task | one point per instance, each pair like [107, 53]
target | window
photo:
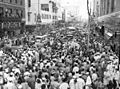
[35, 17]
[9, 12]
[1, 11]
[21, 2]
[42, 16]
[108, 4]
[17, 13]
[112, 5]
[16, 1]
[10, 1]
[45, 7]
[21, 13]
[97, 2]
[47, 16]
[1, 0]
[29, 16]
[29, 3]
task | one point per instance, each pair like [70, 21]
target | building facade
[41, 11]
[105, 7]
[108, 13]
[12, 12]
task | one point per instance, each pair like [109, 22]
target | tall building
[106, 7]
[41, 11]
[12, 13]
[108, 13]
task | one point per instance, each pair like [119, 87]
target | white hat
[26, 74]
[74, 77]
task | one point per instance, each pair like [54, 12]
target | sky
[79, 6]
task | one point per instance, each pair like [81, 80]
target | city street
[41, 50]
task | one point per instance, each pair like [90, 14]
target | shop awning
[115, 14]
[110, 21]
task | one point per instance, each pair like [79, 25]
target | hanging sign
[10, 25]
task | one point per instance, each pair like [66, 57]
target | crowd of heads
[62, 59]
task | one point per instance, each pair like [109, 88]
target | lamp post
[38, 16]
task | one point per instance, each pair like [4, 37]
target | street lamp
[38, 21]
[22, 25]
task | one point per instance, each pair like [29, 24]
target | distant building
[12, 13]
[41, 11]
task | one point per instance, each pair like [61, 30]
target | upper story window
[45, 7]
[21, 2]
[10, 1]
[16, 1]
[29, 3]
[29, 16]
[8, 12]
[21, 13]
[112, 5]
[1, 11]
[1, 0]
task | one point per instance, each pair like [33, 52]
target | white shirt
[88, 81]
[75, 69]
[64, 86]
[94, 76]
[78, 85]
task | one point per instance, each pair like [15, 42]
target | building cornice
[19, 6]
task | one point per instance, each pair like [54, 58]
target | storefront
[10, 26]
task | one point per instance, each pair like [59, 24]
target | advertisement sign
[9, 25]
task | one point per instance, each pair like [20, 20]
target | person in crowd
[58, 60]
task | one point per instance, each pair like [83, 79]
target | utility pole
[89, 16]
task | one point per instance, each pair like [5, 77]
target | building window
[17, 13]
[108, 4]
[29, 3]
[29, 16]
[1, 12]
[10, 1]
[97, 2]
[21, 2]
[16, 1]
[42, 16]
[112, 5]
[35, 17]
[47, 17]
[8, 12]
[45, 7]
[21, 13]
[1, 0]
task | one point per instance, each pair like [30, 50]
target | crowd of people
[61, 60]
